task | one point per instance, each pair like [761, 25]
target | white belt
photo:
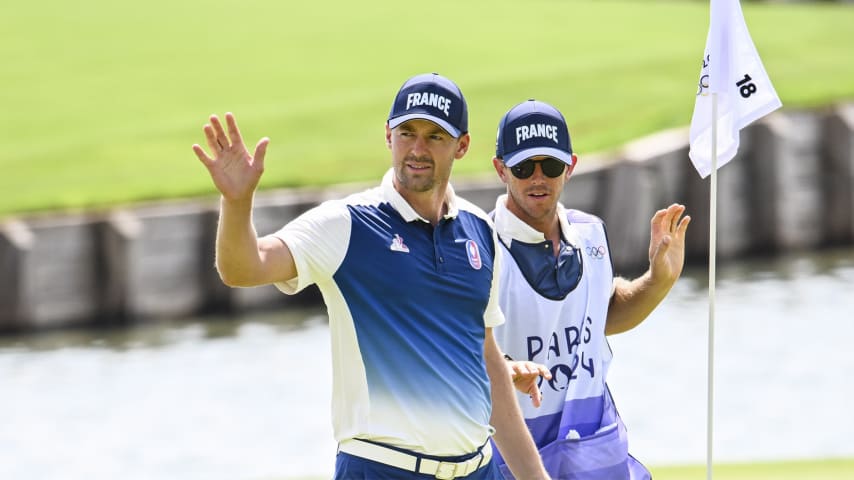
[416, 463]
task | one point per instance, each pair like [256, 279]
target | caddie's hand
[525, 375]
[234, 171]
[667, 243]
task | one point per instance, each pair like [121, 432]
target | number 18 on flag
[732, 70]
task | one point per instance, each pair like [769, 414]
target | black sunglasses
[552, 168]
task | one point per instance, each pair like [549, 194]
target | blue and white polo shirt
[408, 307]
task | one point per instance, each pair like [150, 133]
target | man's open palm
[667, 242]
[234, 171]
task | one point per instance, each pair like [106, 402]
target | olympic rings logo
[596, 252]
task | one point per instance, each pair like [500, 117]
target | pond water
[248, 397]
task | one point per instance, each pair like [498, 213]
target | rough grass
[102, 100]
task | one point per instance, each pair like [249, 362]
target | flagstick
[713, 222]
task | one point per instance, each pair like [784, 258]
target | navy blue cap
[430, 96]
[532, 128]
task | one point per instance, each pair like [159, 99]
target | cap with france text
[432, 97]
[532, 128]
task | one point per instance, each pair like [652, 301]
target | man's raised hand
[234, 171]
[667, 243]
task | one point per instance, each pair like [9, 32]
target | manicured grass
[102, 100]
[830, 469]
[836, 469]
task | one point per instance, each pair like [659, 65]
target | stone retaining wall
[791, 186]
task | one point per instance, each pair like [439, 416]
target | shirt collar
[396, 200]
[510, 227]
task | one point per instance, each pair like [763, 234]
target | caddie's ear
[570, 168]
[387, 136]
[499, 168]
[462, 145]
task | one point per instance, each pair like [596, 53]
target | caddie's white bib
[567, 335]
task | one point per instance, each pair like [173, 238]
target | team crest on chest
[397, 244]
[474, 254]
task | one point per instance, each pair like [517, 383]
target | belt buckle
[446, 471]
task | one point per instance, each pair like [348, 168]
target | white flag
[733, 70]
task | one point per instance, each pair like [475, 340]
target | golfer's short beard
[422, 184]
